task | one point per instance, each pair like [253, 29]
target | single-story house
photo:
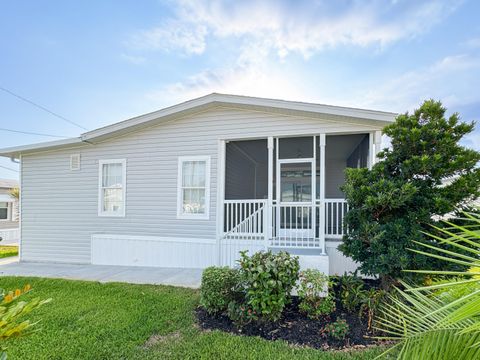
[9, 229]
[193, 184]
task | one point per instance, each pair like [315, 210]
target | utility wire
[42, 108]
[5, 167]
[32, 133]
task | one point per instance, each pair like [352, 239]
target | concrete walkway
[105, 273]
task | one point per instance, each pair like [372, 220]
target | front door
[295, 214]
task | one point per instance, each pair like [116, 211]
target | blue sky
[99, 62]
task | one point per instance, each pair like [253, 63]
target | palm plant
[440, 320]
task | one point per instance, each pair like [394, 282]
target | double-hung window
[4, 211]
[112, 176]
[193, 187]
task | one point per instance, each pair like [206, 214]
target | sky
[100, 62]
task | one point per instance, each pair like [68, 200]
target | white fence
[10, 235]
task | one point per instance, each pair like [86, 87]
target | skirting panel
[111, 249]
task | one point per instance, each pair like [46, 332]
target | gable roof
[204, 103]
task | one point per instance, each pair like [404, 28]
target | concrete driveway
[105, 273]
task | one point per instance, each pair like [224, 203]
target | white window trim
[124, 187]
[180, 214]
[9, 211]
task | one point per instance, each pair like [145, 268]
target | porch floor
[190, 278]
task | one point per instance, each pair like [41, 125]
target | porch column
[378, 145]
[321, 223]
[371, 151]
[269, 222]
[220, 197]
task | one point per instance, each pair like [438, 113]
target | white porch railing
[335, 210]
[245, 218]
[251, 225]
[292, 224]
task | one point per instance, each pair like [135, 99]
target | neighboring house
[9, 214]
[193, 184]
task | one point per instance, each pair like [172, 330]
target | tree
[423, 176]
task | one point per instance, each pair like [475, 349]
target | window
[112, 188]
[3, 211]
[193, 187]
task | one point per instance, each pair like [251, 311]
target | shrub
[315, 293]
[337, 330]
[240, 313]
[371, 302]
[269, 279]
[352, 292]
[11, 309]
[219, 287]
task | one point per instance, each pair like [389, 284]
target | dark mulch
[296, 328]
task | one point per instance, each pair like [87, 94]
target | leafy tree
[424, 175]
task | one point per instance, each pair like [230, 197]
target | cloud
[262, 33]
[302, 27]
[137, 60]
[450, 79]
[172, 35]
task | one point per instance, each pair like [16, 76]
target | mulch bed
[296, 328]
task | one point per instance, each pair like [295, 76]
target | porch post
[220, 197]
[269, 221]
[321, 223]
[378, 145]
[371, 151]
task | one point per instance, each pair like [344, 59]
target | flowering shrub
[11, 309]
[315, 293]
[337, 330]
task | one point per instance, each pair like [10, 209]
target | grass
[7, 251]
[89, 320]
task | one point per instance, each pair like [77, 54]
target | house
[9, 230]
[193, 184]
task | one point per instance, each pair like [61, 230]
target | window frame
[101, 212]
[180, 213]
[9, 211]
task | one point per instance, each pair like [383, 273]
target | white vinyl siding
[111, 187]
[60, 206]
[193, 189]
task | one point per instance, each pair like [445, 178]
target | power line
[11, 169]
[32, 133]
[42, 108]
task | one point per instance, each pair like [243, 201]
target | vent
[75, 162]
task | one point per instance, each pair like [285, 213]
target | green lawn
[89, 320]
[7, 251]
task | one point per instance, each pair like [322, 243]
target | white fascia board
[15, 151]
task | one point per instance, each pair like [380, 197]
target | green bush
[352, 292]
[240, 313]
[315, 293]
[219, 287]
[269, 279]
[337, 330]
